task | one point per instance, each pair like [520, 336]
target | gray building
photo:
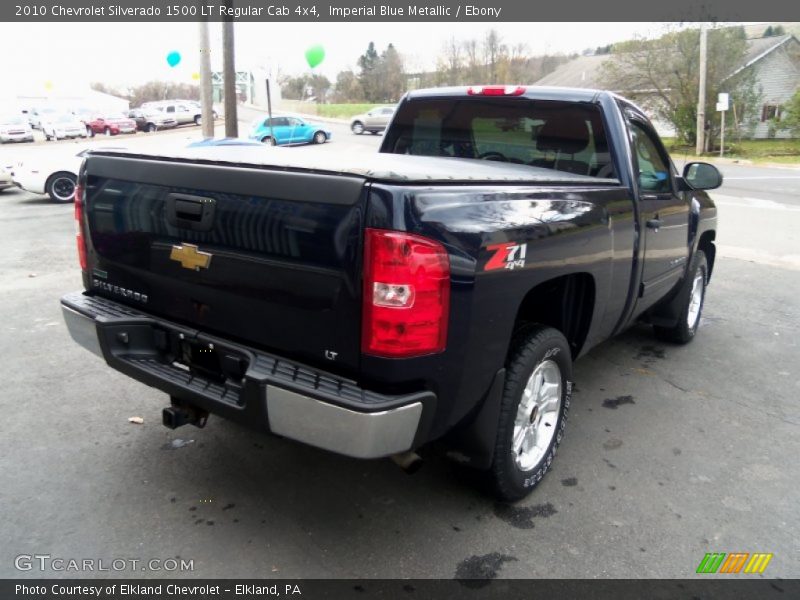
[776, 61]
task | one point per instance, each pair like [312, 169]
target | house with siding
[776, 61]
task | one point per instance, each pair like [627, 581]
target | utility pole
[206, 113]
[229, 77]
[701, 97]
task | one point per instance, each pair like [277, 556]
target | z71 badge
[506, 256]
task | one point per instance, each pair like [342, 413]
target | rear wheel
[533, 411]
[151, 127]
[357, 128]
[198, 120]
[269, 141]
[320, 137]
[61, 187]
[689, 303]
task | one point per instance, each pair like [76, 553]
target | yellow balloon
[196, 76]
[48, 85]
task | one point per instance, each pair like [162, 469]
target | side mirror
[702, 176]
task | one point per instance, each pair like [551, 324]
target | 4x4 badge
[506, 256]
[190, 257]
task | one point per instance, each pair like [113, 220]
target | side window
[170, 109]
[653, 169]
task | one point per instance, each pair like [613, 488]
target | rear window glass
[564, 136]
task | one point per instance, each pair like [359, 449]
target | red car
[111, 125]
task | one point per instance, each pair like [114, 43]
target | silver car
[374, 121]
[15, 128]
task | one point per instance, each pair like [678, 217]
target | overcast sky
[64, 54]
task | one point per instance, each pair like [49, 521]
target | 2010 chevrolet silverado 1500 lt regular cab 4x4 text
[438, 290]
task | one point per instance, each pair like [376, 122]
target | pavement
[670, 452]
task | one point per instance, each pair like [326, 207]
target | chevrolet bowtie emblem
[190, 257]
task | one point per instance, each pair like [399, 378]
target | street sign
[723, 101]
[721, 107]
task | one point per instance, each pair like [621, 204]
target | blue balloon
[173, 58]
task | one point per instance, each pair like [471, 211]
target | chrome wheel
[537, 415]
[358, 128]
[63, 188]
[695, 300]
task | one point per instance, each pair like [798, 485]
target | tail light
[406, 295]
[496, 90]
[79, 227]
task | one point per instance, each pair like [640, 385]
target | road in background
[670, 451]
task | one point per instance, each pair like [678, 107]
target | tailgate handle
[190, 212]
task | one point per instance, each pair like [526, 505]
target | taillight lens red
[79, 226]
[496, 90]
[406, 295]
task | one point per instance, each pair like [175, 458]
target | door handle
[654, 223]
[190, 212]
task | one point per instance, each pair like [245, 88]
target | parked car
[182, 111]
[150, 119]
[288, 130]
[370, 304]
[37, 115]
[111, 125]
[374, 121]
[54, 174]
[59, 127]
[15, 128]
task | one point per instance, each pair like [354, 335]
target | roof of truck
[531, 92]
[376, 167]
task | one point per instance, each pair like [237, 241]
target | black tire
[357, 127]
[686, 328]
[198, 120]
[90, 132]
[151, 127]
[320, 137]
[532, 347]
[58, 187]
[107, 131]
[270, 141]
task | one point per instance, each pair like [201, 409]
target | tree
[391, 76]
[450, 63]
[790, 119]
[382, 77]
[347, 88]
[368, 76]
[667, 69]
[294, 88]
[772, 31]
[494, 53]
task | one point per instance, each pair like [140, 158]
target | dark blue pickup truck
[370, 304]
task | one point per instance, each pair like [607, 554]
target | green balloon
[315, 55]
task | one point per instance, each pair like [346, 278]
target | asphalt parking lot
[670, 452]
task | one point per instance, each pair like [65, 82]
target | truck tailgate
[268, 257]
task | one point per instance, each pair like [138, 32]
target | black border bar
[285, 11]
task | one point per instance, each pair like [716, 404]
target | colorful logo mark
[734, 562]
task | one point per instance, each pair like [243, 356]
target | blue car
[288, 130]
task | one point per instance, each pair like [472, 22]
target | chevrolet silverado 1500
[368, 305]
